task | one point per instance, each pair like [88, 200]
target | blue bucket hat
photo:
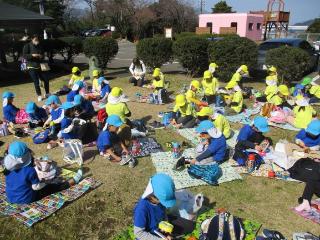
[31, 107]
[7, 94]
[77, 99]
[204, 126]
[114, 120]
[18, 149]
[53, 99]
[101, 79]
[67, 105]
[261, 124]
[314, 127]
[164, 189]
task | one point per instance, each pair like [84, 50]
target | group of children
[193, 108]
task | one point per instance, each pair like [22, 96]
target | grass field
[104, 212]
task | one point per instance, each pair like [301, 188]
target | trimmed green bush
[103, 48]
[291, 62]
[192, 53]
[230, 53]
[73, 47]
[53, 47]
[154, 51]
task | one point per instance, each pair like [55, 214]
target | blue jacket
[216, 149]
[10, 112]
[39, 115]
[308, 141]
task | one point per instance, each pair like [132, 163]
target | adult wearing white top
[138, 71]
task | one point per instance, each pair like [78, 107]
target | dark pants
[187, 121]
[210, 99]
[36, 75]
[312, 187]
[314, 100]
[261, 99]
[50, 189]
[136, 82]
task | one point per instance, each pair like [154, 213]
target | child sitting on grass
[309, 138]
[105, 89]
[37, 116]
[213, 144]
[95, 82]
[108, 142]
[22, 183]
[84, 107]
[76, 88]
[56, 114]
[158, 85]
[184, 113]
[76, 76]
[250, 137]
[151, 208]
[9, 110]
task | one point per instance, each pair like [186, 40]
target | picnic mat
[164, 162]
[244, 117]
[30, 214]
[191, 135]
[262, 171]
[147, 146]
[285, 126]
[313, 214]
[251, 228]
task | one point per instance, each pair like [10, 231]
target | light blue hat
[101, 79]
[67, 105]
[261, 124]
[77, 99]
[53, 99]
[314, 127]
[18, 149]
[164, 189]
[204, 126]
[31, 107]
[7, 94]
[114, 120]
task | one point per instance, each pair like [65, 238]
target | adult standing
[33, 53]
[138, 71]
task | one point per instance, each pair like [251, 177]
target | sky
[300, 10]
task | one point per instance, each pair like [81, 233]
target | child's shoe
[124, 160]
[132, 163]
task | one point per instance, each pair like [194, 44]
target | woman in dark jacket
[33, 53]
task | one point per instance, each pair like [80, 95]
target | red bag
[102, 115]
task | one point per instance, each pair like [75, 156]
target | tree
[92, 4]
[315, 26]
[222, 7]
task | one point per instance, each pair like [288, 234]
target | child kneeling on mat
[309, 138]
[108, 141]
[151, 208]
[22, 183]
[250, 137]
[213, 144]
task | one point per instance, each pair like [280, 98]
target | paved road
[119, 66]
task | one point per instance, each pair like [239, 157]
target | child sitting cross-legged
[108, 143]
[22, 182]
[37, 116]
[151, 208]
[213, 144]
[9, 110]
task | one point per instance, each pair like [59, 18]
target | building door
[209, 25]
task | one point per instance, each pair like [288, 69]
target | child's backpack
[222, 226]
[208, 173]
[41, 137]
[22, 117]
[266, 110]
[241, 156]
[102, 115]
[163, 96]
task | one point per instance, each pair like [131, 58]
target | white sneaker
[124, 160]
[39, 98]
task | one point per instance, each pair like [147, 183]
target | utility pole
[202, 5]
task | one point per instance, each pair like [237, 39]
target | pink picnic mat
[313, 214]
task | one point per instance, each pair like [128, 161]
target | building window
[258, 26]
[250, 26]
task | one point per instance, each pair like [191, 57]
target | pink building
[245, 24]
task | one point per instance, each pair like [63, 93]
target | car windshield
[271, 45]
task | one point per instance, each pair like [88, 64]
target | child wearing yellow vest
[303, 113]
[158, 84]
[236, 101]
[213, 67]
[210, 86]
[220, 121]
[272, 78]
[117, 104]
[184, 113]
[191, 94]
[95, 82]
[314, 93]
[76, 76]
[237, 77]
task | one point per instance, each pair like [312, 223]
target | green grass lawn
[104, 212]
